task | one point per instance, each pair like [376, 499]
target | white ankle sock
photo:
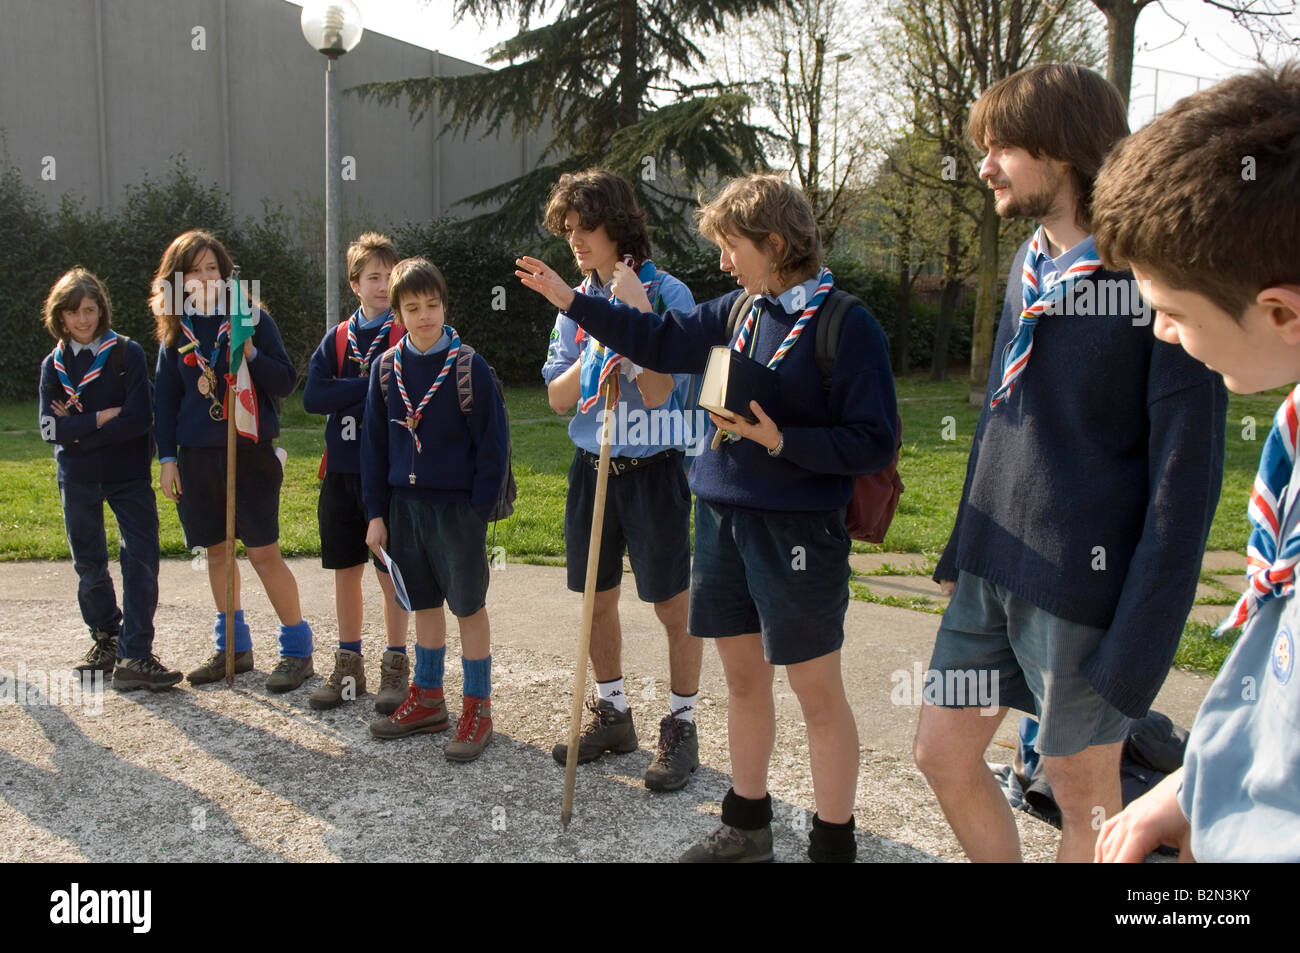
[682, 706]
[612, 692]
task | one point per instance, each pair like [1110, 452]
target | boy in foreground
[1204, 206]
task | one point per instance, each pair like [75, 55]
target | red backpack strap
[340, 347]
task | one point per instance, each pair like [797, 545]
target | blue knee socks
[243, 635]
[478, 677]
[429, 666]
[296, 640]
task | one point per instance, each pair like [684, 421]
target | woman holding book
[770, 576]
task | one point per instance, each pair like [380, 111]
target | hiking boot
[731, 845]
[423, 710]
[133, 673]
[346, 682]
[289, 673]
[102, 655]
[473, 730]
[214, 669]
[609, 730]
[394, 680]
[677, 757]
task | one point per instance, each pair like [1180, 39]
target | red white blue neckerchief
[601, 361]
[73, 394]
[414, 414]
[1270, 564]
[222, 332]
[1015, 357]
[825, 283]
[377, 346]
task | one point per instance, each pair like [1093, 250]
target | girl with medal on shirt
[189, 390]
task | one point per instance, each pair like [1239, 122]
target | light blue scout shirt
[1051, 269]
[639, 432]
[1241, 772]
[78, 348]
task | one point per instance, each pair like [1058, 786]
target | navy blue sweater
[463, 458]
[342, 396]
[182, 412]
[119, 450]
[829, 439]
[1110, 439]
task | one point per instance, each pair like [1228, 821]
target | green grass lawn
[938, 426]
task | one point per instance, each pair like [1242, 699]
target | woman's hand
[765, 432]
[377, 535]
[248, 349]
[170, 480]
[628, 289]
[540, 277]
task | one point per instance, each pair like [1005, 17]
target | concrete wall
[114, 89]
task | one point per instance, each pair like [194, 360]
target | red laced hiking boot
[473, 730]
[423, 710]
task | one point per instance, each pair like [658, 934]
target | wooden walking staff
[231, 441]
[589, 599]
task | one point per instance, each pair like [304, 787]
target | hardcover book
[732, 380]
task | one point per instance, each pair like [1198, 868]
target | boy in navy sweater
[1227, 289]
[337, 381]
[1092, 482]
[96, 410]
[431, 475]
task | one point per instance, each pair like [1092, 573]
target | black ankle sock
[832, 843]
[746, 814]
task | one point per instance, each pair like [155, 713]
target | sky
[1180, 43]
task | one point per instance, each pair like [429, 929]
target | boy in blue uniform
[648, 507]
[337, 381]
[96, 410]
[1204, 205]
[432, 471]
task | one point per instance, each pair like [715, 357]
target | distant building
[95, 94]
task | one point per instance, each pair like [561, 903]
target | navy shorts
[202, 506]
[341, 515]
[1020, 656]
[648, 512]
[782, 574]
[441, 551]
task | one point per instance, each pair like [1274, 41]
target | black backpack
[505, 504]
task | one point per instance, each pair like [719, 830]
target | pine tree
[602, 75]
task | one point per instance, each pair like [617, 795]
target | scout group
[1101, 432]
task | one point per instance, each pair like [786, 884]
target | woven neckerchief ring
[415, 413]
[73, 394]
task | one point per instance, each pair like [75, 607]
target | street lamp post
[332, 29]
[835, 133]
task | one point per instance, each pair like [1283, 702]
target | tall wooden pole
[589, 600]
[231, 439]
